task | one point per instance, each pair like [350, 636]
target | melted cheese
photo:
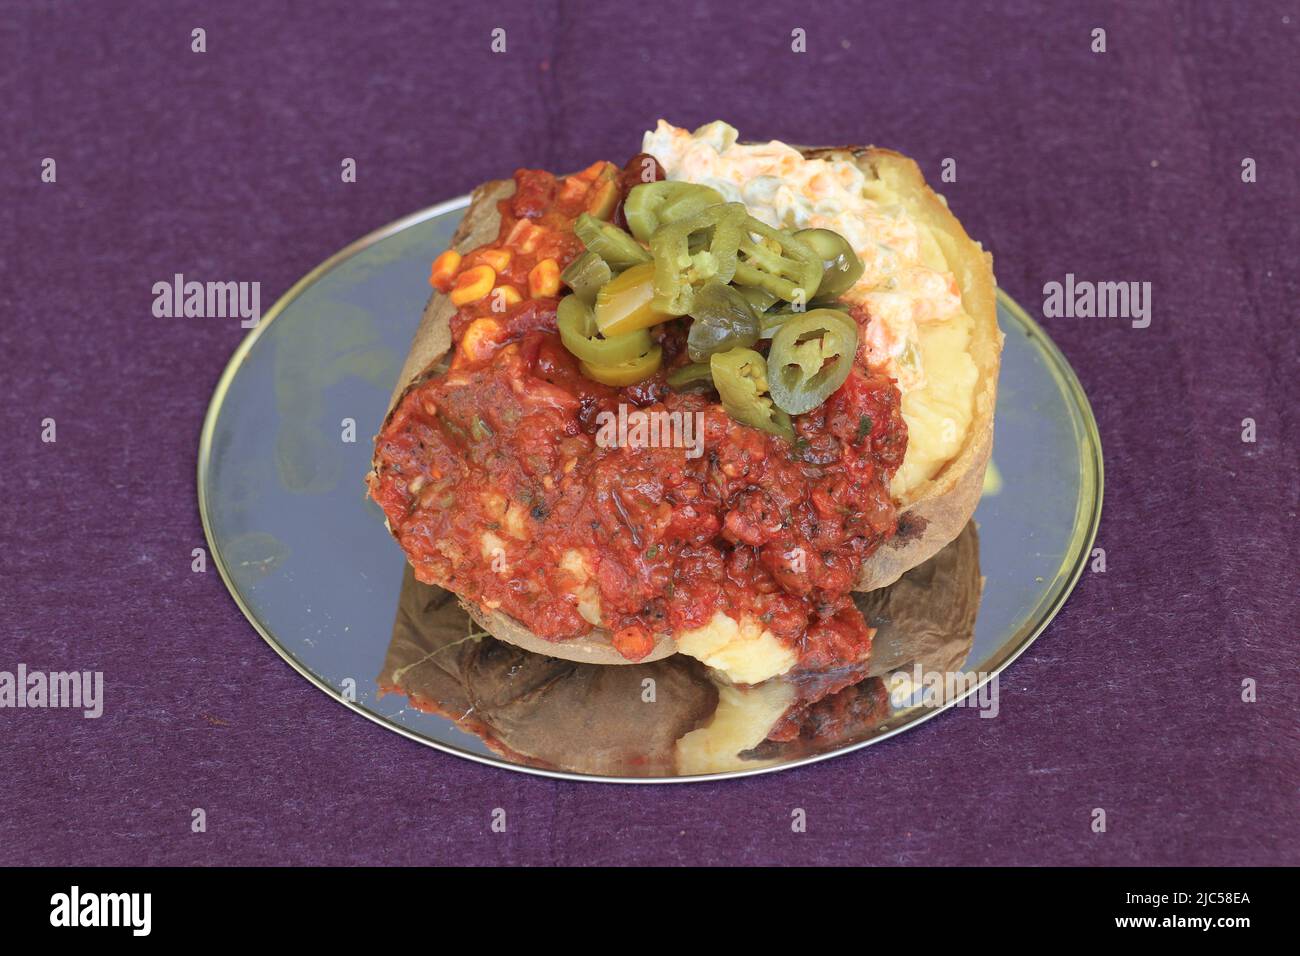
[919, 331]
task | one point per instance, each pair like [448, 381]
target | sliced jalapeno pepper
[690, 376]
[810, 358]
[777, 262]
[760, 300]
[628, 302]
[741, 379]
[609, 242]
[603, 196]
[625, 373]
[769, 323]
[585, 275]
[841, 266]
[722, 321]
[683, 262]
[577, 326]
[651, 205]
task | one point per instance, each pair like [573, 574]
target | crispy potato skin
[935, 513]
[433, 337]
[593, 648]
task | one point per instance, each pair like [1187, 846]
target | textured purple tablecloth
[1125, 165]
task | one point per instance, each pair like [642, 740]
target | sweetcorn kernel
[444, 270]
[479, 339]
[472, 284]
[498, 259]
[504, 296]
[544, 279]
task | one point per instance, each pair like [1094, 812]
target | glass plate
[308, 560]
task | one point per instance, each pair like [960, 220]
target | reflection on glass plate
[676, 716]
[308, 560]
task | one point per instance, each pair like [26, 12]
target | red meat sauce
[505, 443]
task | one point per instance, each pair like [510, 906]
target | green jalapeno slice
[651, 205]
[694, 375]
[778, 262]
[577, 326]
[585, 275]
[740, 376]
[760, 300]
[841, 267]
[769, 323]
[628, 302]
[603, 196]
[625, 373]
[609, 242]
[810, 358]
[690, 252]
[722, 321]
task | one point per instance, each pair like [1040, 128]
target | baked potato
[949, 414]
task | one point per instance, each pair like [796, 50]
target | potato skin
[934, 515]
[593, 648]
[433, 336]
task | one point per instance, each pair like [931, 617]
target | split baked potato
[948, 410]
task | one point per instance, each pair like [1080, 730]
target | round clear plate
[308, 560]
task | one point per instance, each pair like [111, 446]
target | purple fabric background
[226, 165]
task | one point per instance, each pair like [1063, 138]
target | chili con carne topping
[493, 481]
